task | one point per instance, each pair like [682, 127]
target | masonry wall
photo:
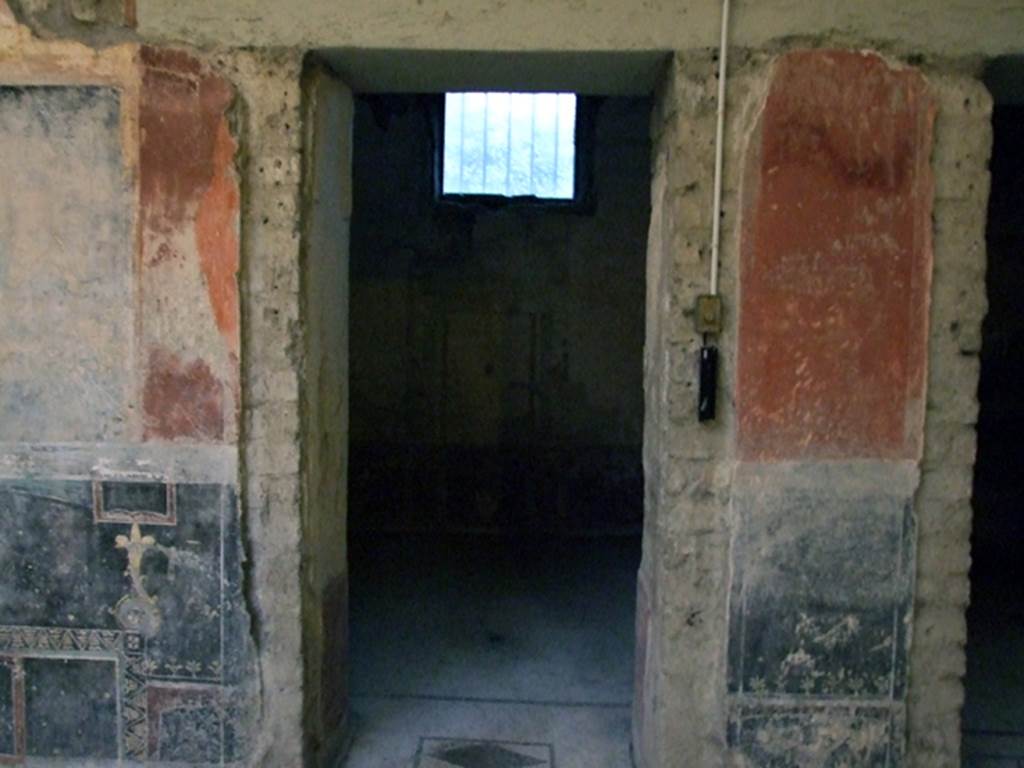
[679, 710]
[835, 271]
[496, 355]
[683, 602]
[963, 135]
[697, 539]
[683, 594]
[269, 124]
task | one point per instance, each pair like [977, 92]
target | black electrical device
[708, 383]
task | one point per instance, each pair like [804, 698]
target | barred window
[510, 145]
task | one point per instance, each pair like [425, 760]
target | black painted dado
[185, 573]
[65, 568]
[798, 736]
[60, 569]
[819, 593]
[71, 707]
[822, 566]
[191, 734]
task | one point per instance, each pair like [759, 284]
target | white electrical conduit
[716, 222]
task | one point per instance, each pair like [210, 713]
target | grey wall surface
[933, 26]
[327, 180]
[70, 314]
[496, 353]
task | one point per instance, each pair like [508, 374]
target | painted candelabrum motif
[137, 612]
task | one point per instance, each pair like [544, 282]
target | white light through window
[510, 144]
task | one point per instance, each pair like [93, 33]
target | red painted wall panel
[190, 201]
[836, 262]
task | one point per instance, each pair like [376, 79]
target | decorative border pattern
[134, 709]
[36, 641]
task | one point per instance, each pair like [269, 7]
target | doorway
[495, 475]
[994, 708]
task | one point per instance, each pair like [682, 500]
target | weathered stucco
[963, 136]
[189, 209]
[60, 138]
[327, 180]
[679, 705]
[665, 728]
[268, 121]
[582, 25]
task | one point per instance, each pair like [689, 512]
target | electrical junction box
[708, 314]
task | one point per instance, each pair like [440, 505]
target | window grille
[510, 145]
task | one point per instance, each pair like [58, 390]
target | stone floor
[492, 653]
[993, 734]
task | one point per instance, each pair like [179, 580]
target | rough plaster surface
[594, 25]
[963, 136]
[934, 689]
[178, 352]
[101, 22]
[327, 181]
[189, 206]
[7, 20]
[269, 123]
[59, 145]
[680, 706]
